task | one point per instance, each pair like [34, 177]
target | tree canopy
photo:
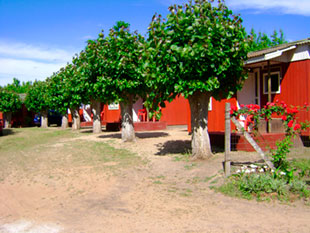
[18, 87]
[262, 40]
[198, 52]
[38, 97]
[198, 48]
[9, 101]
[121, 64]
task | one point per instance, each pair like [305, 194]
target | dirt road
[160, 192]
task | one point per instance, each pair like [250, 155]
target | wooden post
[252, 142]
[227, 140]
[269, 95]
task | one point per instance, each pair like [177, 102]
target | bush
[264, 186]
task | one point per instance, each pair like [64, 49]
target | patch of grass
[302, 166]
[197, 179]
[186, 193]
[263, 187]
[31, 150]
[158, 179]
[102, 155]
[182, 157]
[190, 166]
[28, 138]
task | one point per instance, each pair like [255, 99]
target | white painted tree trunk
[76, 121]
[128, 132]
[7, 120]
[96, 110]
[64, 121]
[201, 148]
[44, 120]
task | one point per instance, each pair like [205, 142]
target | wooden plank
[252, 142]
[227, 140]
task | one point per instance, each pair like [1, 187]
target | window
[275, 82]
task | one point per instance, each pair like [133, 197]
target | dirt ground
[163, 192]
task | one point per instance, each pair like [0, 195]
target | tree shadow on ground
[86, 131]
[180, 147]
[151, 134]
[138, 135]
[115, 135]
[6, 132]
[174, 147]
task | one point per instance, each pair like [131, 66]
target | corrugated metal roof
[277, 48]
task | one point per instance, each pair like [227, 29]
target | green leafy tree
[89, 68]
[18, 87]
[198, 52]
[75, 86]
[262, 40]
[9, 103]
[38, 101]
[120, 64]
[59, 97]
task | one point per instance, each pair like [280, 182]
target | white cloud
[26, 70]
[28, 62]
[298, 7]
[26, 51]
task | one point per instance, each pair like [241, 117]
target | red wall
[175, 113]
[216, 117]
[295, 87]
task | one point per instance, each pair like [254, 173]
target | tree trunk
[96, 110]
[64, 121]
[128, 132]
[201, 148]
[44, 120]
[76, 121]
[7, 120]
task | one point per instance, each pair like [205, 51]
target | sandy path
[163, 195]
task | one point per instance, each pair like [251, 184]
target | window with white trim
[275, 82]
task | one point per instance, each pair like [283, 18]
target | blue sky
[37, 37]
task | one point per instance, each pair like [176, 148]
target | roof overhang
[268, 56]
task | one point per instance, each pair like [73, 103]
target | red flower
[294, 110]
[233, 109]
[290, 124]
[297, 126]
[242, 105]
[284, 118]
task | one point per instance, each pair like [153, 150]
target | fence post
[227, 140]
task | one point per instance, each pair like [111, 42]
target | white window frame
[210, 104]
[279, 82]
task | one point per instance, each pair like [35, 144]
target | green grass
[34, 150]
[302, 166]
[28, 138]
[264, 187]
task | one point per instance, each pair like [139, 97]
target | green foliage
[38, 97]
[17, 87]
[302, 167]
[88, 68]
[9, 101]
[262, 41]
[120, 64]
[288, 116]
[74, 85]
[264, 186]
[59, 96]
[199, 48]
